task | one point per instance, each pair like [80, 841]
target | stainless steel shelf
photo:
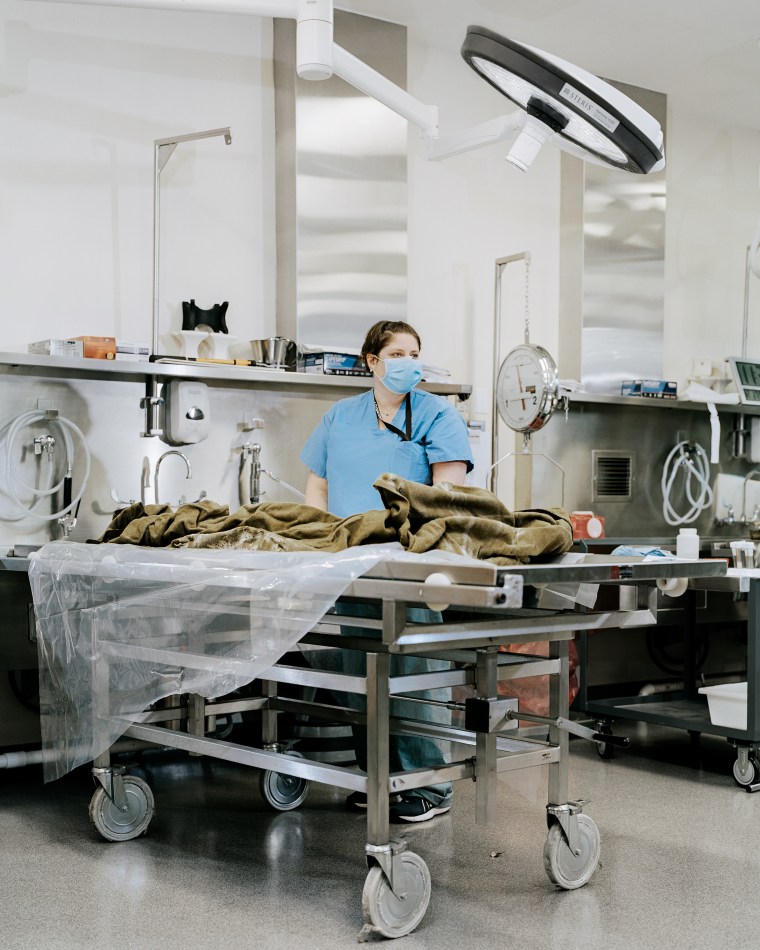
[643, 402]
[27, 364]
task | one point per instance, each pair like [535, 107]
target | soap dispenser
[187, 412]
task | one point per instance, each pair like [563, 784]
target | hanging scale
[527, 385]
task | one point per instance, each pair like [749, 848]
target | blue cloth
[626, 550]
[351, 451]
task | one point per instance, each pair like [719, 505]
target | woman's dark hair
[379, 335]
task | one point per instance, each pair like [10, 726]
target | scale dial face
[527, 388]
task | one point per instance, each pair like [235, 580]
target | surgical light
[589, 116]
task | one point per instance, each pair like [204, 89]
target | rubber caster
[747, 775]
[283, 792]
[117, 825]
[397, 914]
[605, 750]
[568, 870]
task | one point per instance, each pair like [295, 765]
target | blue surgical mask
[402, 374]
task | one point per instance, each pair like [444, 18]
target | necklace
[382, 414]
[384, 418]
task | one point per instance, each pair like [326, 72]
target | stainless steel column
[559, 705]
[378, 704]
[485, 742]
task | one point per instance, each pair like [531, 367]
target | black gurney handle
[622, 742]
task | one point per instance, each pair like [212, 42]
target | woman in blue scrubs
[393, 427]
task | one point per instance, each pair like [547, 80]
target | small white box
[71, 349]
[132, 351]
[727, 704]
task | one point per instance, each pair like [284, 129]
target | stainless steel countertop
[736, 580]
[707, 574]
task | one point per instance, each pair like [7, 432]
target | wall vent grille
[612, 478]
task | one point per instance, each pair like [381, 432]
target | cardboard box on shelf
[132, 351]
[333, 363]
[344, 364]
[71, 349]
[98, 347]
[649, 388]
[312, 362]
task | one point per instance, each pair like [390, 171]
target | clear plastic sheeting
[120, 628]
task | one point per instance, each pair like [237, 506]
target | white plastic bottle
[687, 544]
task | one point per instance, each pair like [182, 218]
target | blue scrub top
[351, 451]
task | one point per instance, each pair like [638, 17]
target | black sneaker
[414, 808]
[357, 801]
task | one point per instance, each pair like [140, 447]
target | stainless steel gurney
[485, 607]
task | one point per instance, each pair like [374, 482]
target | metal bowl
[276, 351]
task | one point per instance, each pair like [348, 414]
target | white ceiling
[704, 54]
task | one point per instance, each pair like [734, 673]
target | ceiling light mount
[543, 112]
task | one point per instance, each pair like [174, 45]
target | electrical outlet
[251, 422]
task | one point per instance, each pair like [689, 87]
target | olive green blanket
[443, 517]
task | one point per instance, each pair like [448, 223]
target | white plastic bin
[727, 704]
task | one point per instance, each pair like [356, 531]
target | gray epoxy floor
[680, 862]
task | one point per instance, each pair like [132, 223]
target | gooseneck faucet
[750, 475]
[185, 459]
[250, 474]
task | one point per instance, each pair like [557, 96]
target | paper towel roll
[714, 434]
[437, 579]
[672, 586]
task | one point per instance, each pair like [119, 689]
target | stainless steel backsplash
[341, 180]
[108, 412]
[645, 431]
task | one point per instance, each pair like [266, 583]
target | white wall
[85, 92]
[713, 206]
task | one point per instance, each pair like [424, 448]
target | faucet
[250, 474]
[748, 476]
[158, 465]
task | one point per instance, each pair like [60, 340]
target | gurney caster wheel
[117, 825]
[397, 914]
[283, 792]
[605, 750]
[568, 870]
[746, 775]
